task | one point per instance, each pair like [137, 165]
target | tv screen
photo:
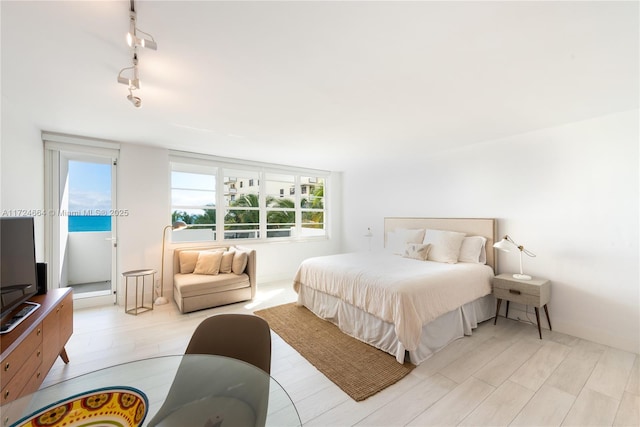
[17, 263]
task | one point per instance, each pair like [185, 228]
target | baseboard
[517, 312]
[598, 336]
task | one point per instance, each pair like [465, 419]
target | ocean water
[79, 223]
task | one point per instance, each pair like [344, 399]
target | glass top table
[183, 390]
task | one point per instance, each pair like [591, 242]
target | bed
[429, 286]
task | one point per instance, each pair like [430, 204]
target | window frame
[221, 166]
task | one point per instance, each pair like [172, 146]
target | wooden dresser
[29, 351]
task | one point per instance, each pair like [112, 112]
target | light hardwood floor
[501, 375]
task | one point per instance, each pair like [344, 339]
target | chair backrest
[240, 336]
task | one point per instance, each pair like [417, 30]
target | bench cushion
[191, 285]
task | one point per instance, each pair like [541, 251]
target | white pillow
[417, 251]
[397, 240]
[445, 245]
[472, 250]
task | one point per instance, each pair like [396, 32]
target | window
[312, 206]
[281, 210]
[193, 200]
[256, 201]
[242, 208]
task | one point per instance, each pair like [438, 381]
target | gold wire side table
[139, 276]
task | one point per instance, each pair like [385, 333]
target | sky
[89, 187]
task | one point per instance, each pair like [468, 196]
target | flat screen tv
[18, 270]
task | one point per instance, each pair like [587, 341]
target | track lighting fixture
[132, 36]
[129, 75]
[133, 83]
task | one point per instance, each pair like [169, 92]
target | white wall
[143, 189]
[85, 258]
[21, 169]
[569, 194]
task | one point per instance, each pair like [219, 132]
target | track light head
[135, 100]
[133, 82]
[133, 40]
[149, 44]
[130, 38]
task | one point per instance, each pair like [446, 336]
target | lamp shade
[179, 225]
[507, 244]
[503, 245]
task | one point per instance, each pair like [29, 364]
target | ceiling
[319, 84]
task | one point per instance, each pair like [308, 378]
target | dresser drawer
[14, 361]
[28, 373]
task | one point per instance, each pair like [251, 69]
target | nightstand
[535, 292]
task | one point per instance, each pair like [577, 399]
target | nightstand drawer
[534, 292]
[516, 295]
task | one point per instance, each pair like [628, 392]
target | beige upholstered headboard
[485, 227]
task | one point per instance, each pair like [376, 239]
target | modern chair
[206, 393]
[240, 336]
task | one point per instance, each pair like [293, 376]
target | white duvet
[405, 292]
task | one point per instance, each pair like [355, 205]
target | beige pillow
[208, 263]
[188, 260]
[417, 251]
[227, 261]
[239, 262]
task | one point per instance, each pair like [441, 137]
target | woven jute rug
[359, 369]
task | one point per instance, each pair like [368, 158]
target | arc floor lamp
[178, 225]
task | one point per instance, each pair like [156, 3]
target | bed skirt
[380, 334]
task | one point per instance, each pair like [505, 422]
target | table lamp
[507, 244]
[369, 236]
[178, 225]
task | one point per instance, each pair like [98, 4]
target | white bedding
[405, 292]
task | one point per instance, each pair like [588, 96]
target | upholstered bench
[206, 277]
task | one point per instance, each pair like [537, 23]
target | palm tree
[207, 218]
[314, 219]
[244, 216]
[285, 216]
